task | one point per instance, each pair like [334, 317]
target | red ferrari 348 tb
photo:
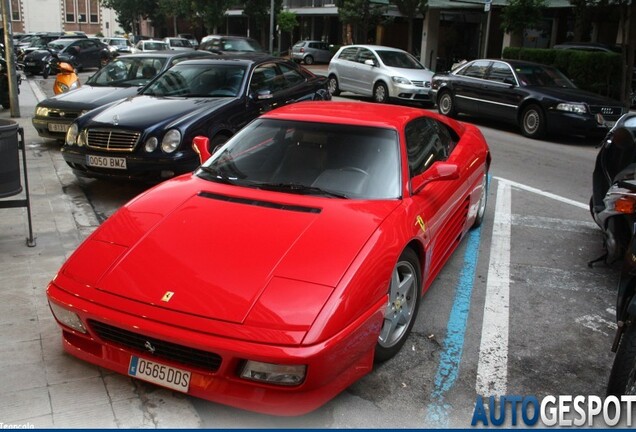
[274, 276]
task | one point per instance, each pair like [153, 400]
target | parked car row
[127, 123]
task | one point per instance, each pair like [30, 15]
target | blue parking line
[438, 410]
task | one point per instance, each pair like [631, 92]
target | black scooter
[613, 207]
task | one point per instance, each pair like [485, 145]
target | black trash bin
[10, 183]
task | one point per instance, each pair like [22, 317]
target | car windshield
[128, 72]
[198, 80]
[542, 76]
[399, 59]
[240, 45]
[323, 159]
[180, 43]
[155, 46]
[59, 45]
[118, 42]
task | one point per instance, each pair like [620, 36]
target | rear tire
[446, 104]
[404, 301]
[309, 60]
[332, 85]
[483, 200]
[622, 380]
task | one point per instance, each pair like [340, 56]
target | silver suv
[381, 72]
[310, 52]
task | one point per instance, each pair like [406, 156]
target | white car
[381, 72]
[178, 44]
[151, 45]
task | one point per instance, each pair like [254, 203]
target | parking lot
[516, 310]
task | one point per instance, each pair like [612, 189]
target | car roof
[353, 113]
[171, 53]
[375, 47]
[245, 59]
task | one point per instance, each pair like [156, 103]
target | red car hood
[217, 247]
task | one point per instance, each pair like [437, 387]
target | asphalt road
[515, 311]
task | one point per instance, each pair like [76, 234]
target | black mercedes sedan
[119, 79]
[149, 136]
[538, 98]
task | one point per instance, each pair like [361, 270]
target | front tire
[381, 93]
[622, 379]
[446, 104]
[332, 86]
[533, 122]
[402, 307]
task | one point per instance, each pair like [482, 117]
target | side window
[266, 78]
[348, 54]
[292, 76]
[366, 54]
[501, 72]
[427, 141]
[476, 69]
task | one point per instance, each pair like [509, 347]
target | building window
[81, 11]
[94, 11]
[69, 11]
[15, 10]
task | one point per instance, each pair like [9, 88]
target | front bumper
[408, 92]
[332, 365]
[141, 167]
[54, 128]
[567, 123]
[33, 67]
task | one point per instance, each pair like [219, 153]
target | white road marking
[492, 369]
[544, 193]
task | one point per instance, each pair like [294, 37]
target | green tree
[519, 15]
[129, 12]
[361, 15]
[287, 22]
[410, 9]
[258, 12]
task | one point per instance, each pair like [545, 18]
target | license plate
[160, 374]
[30, 63]
[57, 127]
[106, 162]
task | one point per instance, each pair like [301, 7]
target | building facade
[451, 30]
[30, 16]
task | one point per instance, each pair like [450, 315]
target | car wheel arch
[541, 127]
[524, 104]
[380, 83]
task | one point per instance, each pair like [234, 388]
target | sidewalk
[40, 385]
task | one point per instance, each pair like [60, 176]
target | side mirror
[74, 50]
[509, 81]
[262, 95]
[201, 144]
[439, 171]
[369, 62]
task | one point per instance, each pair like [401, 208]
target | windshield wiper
[300, 189]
